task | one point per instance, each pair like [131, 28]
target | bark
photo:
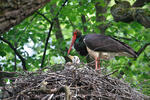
[123, 11]
[12, 12]
[100, 10]
[83, 23]
[7, 74]
[57, 28]
[83, 19]
[58, 31]
[140, 3]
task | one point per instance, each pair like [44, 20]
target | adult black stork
[100, 46]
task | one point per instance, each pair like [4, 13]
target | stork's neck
[78, 39]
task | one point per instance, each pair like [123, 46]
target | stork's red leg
[96, 63]
[99, 63]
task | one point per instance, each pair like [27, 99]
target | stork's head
[76, 34]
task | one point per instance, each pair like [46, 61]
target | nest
[71, 83]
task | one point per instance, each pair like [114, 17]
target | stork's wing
[102, 43]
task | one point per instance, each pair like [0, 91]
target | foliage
[30, 35]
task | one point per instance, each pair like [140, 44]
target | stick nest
[71, 83]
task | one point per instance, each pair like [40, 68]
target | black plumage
[102, 43]
[80, 46]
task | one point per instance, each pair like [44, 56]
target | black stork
[100, 46]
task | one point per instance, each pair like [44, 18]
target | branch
[49, 33]
[84, 22]
[71, 23]
[111, 73]
[16, 52]
[7, 74]
[57, 28]
[142, 49]
[83, 19]
[124, 38]
[44, 16]
[16, 11]
[140, 3]
[124, 12]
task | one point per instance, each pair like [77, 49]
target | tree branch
[13, 12]
[7, 74]
[142, 49]
[46, 43]
[124, 38]
[140, 3]
[83, 22]
[44, 16]
[57, 29]
[124, 12]
[49, 33]
[16, 52]
[71, 23]
[83, 19]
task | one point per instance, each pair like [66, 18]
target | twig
[44, 16]
[142, 49]
[16, 52]
[73, 26]
[124, 38]
[111, 73]
[64, 89]
[49, 33]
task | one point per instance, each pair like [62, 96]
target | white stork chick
[75, 59]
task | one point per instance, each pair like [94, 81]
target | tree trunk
[100, 10]
[83, 23]
[83, 19]
[58, 33]
[12, 12]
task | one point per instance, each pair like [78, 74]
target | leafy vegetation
[29, 40]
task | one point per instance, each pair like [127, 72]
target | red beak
[73, 40]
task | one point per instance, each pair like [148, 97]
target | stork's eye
[75, 33]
